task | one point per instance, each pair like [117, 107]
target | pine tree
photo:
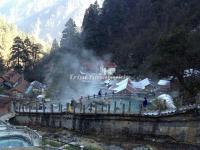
[17, 54]
[36, 50]
[26, 57]
[90, 26]
[55, 45]
[69, 35]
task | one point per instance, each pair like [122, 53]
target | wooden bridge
[106, 104]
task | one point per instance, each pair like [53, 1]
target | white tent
[130, 85]
[125, 84]
[141, 84]
[168, 101]
[163, 82]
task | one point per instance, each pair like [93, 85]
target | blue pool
[13, 142]
[129, 105]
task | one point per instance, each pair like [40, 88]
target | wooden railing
[98, 104]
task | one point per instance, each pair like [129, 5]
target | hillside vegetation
[7, 34]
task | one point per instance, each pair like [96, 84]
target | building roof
[163, 82]
[108, 64]
[11, 76]
[21, 87]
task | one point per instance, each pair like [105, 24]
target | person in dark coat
[145, 102]
[100, 93]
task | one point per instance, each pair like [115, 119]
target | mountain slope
[45, 18]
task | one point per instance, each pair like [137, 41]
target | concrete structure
[8, 131]
[180, 127]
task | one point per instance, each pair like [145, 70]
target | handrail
[87, 101]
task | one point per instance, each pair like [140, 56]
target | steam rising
[66, 63]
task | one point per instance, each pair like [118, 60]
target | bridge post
[43, 108]
[83, 108]
[115, 106]
[51, 108]
[67, 107]
[14, 106]
[61, 108]
[19, 106]
[29, 108]
[108, 108]
[23, 107]
[129, 107]
[95, 109]
[90, 107]
[58, 107]
[36, 107]
[74, 109]
[123, 109]
[102, 108]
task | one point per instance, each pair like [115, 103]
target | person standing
[145, 102]
[100, 93]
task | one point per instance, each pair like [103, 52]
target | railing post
[123, 109]
[19, 107]
[51, 108]
[90, 107]
[129, 107]
[115, 105]
[43, 106]
[74, 109]
[14, 106]
[95, 109]
[23, 107]
[67, 106]
[88, 97]
[108, 108]
[140, 109]
[29, 108]
[83, 108]
[81, 105]
[102, 108]
[36, 107]
[61, 108]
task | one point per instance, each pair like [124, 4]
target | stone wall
[183, 127]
